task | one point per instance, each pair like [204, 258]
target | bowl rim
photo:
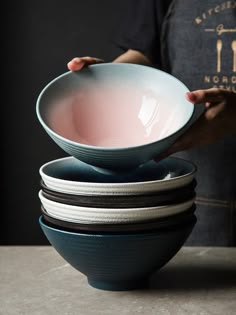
[111, 215]
[116, 228]
[115, 185]
[119, 201]
[102, 148]
[112, 210]
[123, 235]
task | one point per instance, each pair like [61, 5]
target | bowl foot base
[118, 171]
[118, 285]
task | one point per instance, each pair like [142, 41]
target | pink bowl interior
[108, 116]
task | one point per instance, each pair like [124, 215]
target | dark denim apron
[198, 39]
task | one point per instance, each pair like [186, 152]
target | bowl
[119, 201]
[118, 228]
[71, 176]
[118, 262]
[114, 116]
[110, 215]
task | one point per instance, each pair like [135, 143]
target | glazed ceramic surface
[118, 228]
[72, 176]
[110, 215]
[114, 116]
[118, 262]
[165, 197]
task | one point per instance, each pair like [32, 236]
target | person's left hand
[218, 121]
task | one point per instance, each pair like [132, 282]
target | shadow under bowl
[117, 262]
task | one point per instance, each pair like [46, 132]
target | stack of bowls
[117, 229]
[112, 212]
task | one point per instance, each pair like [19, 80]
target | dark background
[40, 37]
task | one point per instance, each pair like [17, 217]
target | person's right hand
[80, 62]
[217, 122]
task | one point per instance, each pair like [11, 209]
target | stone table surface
[36, 280]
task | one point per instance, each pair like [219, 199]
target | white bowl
[69, 175]
[110, 215]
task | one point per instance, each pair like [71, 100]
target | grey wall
[41, 37]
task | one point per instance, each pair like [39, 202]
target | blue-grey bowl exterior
[118, 262]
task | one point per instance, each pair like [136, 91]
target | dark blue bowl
[121, 261]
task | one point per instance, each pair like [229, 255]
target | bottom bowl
[121, 261]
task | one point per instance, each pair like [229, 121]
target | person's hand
[78, 63]
[218, 120]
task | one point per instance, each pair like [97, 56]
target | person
[217, 122]
[196, 42]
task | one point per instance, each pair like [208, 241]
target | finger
[205, 96]
[75, 64]
[193, 137]
[161, 156]
[183, 143]
[91, 60]
[180, 145]
[214, 111]
[78, 63]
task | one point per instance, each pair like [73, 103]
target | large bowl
[69, 175]
[118, 262]
[114, 116]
